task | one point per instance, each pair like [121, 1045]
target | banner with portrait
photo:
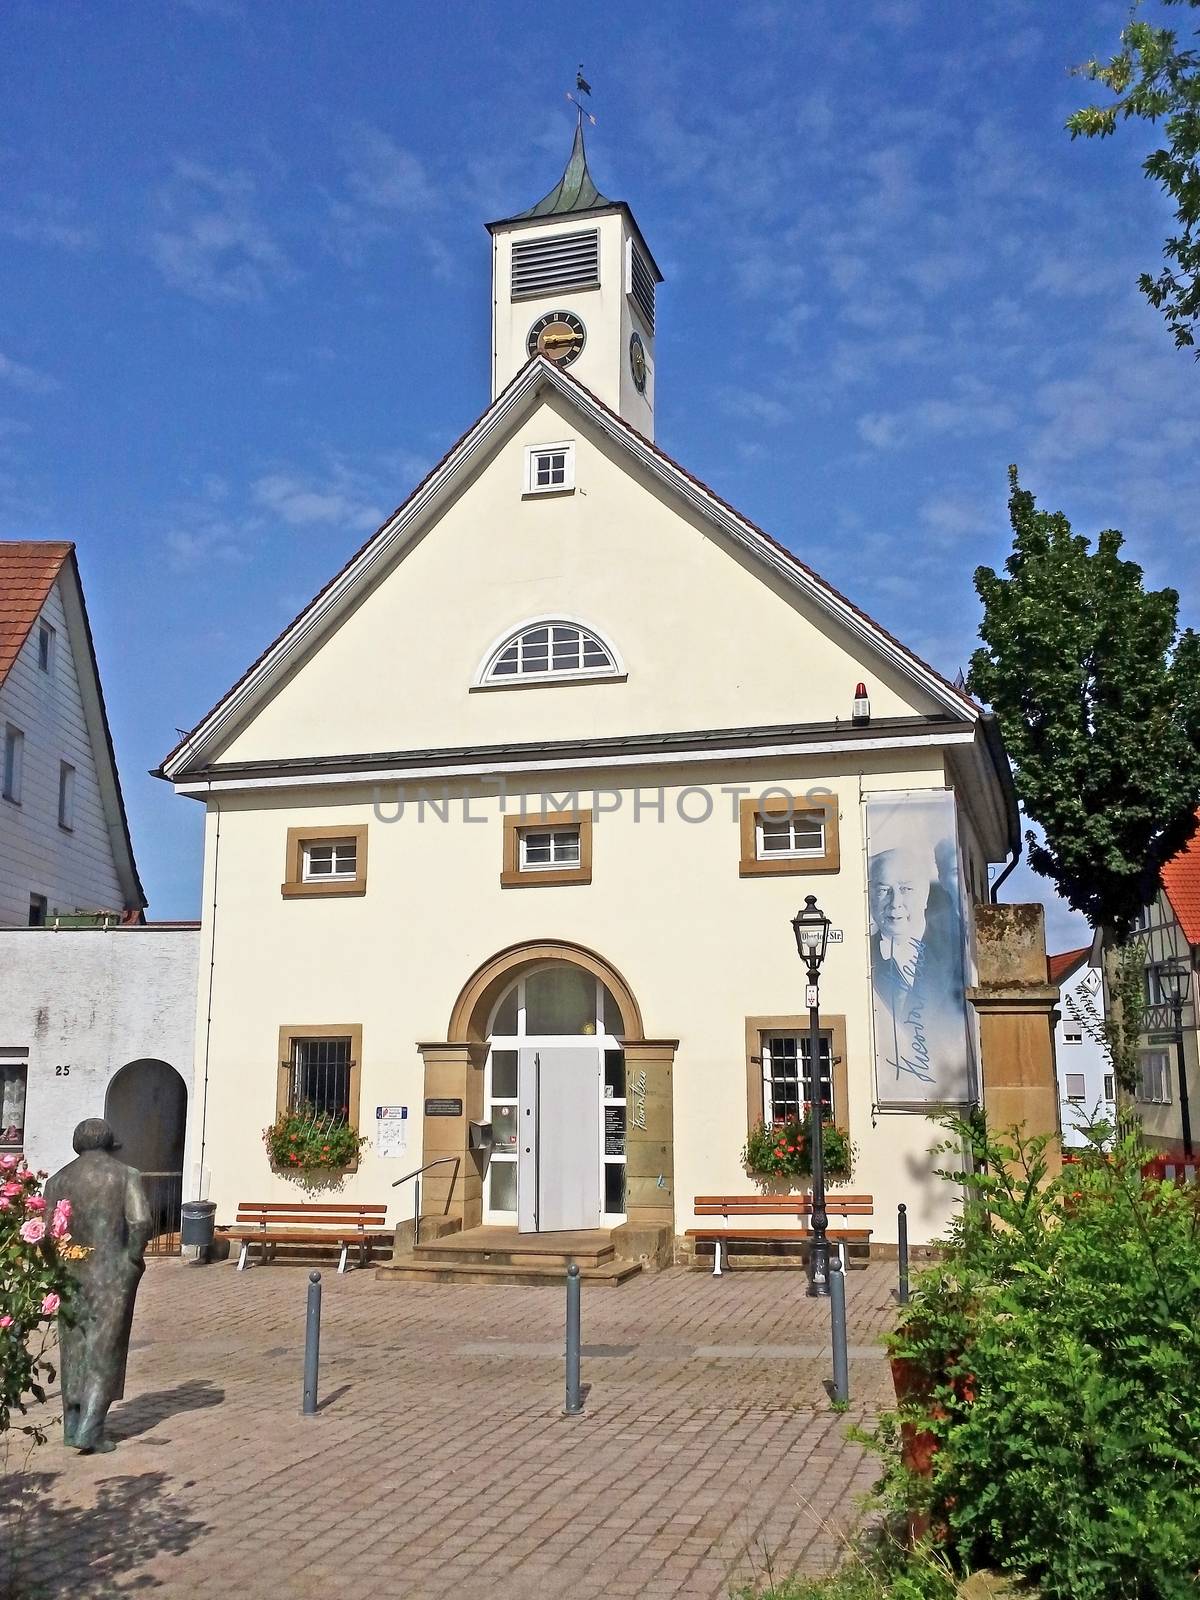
[924, 1040]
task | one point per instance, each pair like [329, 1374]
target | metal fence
[164, 1191]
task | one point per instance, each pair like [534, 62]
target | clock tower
[572, 277]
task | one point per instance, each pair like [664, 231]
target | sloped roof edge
[405, 521]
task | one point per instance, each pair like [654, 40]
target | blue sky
[244, 299]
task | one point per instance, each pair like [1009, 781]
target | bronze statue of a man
[110, 1228]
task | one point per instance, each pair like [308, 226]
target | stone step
[515, 1256]
[418, 1269]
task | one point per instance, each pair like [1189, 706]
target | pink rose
[60, 1222]
[50, 1305]
[35, 1202]
[5, 1322]
[11, 1190]
[7, 1163]
[33, 1231]
[5, 1202]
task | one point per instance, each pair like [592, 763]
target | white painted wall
[1081, 1000]
[74, 870]
[83, 1003]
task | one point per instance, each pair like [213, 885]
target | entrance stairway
[502, 1255]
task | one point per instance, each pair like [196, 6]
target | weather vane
[582, 87]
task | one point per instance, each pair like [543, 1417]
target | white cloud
[381, 173]
[750, 405]
[26, 378]
[48, 230]
[303, 503]
[211, 243]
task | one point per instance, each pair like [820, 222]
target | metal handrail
[440, 1162]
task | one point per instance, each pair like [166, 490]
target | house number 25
[62, 1072]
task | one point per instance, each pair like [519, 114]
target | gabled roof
[27, 573]
[29, 570]
[404, 525]
[1181, 884]
[1067, 963]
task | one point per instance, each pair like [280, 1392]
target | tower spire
[575, 190]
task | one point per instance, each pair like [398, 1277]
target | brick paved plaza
[440, 1464]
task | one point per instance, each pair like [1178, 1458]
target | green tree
[1152, 78]
[1098, 697]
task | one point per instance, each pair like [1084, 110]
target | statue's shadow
[128, 1418]
[51, 1548]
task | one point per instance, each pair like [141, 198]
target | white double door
[560, 1178]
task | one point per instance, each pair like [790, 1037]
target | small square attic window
[550, 468]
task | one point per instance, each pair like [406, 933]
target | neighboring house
[1167, 1096]
[64, 839]
[99, 1021]
[1086, 1084]
[508, 826]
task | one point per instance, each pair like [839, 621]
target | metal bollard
[312, 1345]
[902, 1249]
[574, 1405]
[716, 1271]
[837, 1313]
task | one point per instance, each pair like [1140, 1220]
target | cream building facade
[508, 826]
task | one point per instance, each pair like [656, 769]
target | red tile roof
[1063, 965]
[27, 574]
[1181, 880]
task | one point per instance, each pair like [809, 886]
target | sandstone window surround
[325, 861]
[759, 1033]
[320, 1065]
[788, 833]
[538, 853]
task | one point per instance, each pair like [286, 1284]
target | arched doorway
[558, 1009]
[146, 1105]
[554, 1094]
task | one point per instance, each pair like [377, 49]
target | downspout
[995, 745]
[212, 962]
[1017, 852]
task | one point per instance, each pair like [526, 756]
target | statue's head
[93, 1133]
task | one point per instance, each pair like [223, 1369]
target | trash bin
[198, 1221]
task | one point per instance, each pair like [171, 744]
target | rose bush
[34, 1289]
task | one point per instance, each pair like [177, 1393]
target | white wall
[84, 1003]
[74, 870]
[1082, 1000]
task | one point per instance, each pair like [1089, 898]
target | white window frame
[1079, 1094]
[16, 1059]
[66, 796]
[795, 821]
[566, 448]
[485, 677]
[1110, 1086]
[1154, 1084]
[1072, 1034]
[48, 635]
[556, 832]
[336, 874]
[13, 763]
[802, 1040]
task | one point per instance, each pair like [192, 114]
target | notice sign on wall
[391, 1130]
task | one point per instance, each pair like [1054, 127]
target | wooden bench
[756, 1206]
[268, 1223]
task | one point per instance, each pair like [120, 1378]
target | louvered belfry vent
[641, 284]
[562, 261]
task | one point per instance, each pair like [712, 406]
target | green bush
[782, 1151]
[1053, 1359]
[305, 1140]
[34, 1288]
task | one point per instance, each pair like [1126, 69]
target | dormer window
[550, 468]
[548, 651]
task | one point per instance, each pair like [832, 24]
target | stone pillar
[1017, 1009]
[650, 1132]
[453, 1073]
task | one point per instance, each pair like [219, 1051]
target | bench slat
[733, 1234]
[302, 1208]
[298, 1236]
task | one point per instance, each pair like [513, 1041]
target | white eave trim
[409, 518]
[581, 762]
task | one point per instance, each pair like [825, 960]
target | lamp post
[1176, 981]
[811, 927]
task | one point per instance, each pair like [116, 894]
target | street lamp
[1175, 982]
[811, 927]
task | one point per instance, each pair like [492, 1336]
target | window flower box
[781, 1150]
[302, 1142]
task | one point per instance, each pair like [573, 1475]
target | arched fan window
[548, 649]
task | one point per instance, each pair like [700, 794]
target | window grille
[550, 847]
[330, 858]
[318, 1080]
[561, 261]
[787, 1076]
[802, 833]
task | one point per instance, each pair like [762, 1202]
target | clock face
[637, 362]
[559, 335]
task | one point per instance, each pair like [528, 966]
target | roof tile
[1181, 881]
[27, 572]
